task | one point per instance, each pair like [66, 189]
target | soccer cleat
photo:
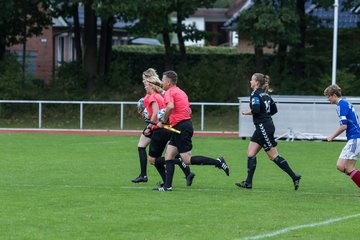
[163, 189]
[223, 165]
[244, 184]
[296, 181]
[140, 179]
[189, 179]
[160, 184]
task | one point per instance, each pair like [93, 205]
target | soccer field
[57, 186]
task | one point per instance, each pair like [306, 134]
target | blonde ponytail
[264, 81]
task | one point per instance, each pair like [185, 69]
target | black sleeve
[273, 108]
[255, 104]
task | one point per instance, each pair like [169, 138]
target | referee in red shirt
[178, 115]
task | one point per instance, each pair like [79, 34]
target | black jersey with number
[262, 106]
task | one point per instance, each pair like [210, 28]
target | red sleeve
[168, 97]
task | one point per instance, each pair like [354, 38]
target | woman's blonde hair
[155, 83]
[149, 73]
[264, 81]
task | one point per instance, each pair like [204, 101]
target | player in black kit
[262, 107]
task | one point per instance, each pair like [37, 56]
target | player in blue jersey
[262, 107]
[349, 123]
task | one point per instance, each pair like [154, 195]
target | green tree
[20, 20]
[184, 9]
[305, 22]
[224, 3]
[70, 8]
[269, 23]
[96, 58]
[109, 11]
[154, 19]
[281, 24]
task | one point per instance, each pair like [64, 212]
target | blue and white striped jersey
[348, 116]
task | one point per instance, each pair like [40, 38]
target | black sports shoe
[223, 165]
[189, 179]
[163, 189]
[140, 179]
[244, 184]
[296, 181]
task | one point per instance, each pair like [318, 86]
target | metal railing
[301, 117]
[81, 104]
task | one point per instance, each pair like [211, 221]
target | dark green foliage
[211, 74]
[215, 78]
[205, 77]
[12, 84]
[126, 72]
[20, 20]
[347, 80]
[318, 64]
[10, 77]
[269, 22]
[69, 83]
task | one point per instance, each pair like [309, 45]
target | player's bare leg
[347, 166]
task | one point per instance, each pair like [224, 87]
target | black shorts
[264, 135]
[183, 140]
[159, 139]
[149, 135]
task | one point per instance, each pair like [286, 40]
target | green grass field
[55, 186]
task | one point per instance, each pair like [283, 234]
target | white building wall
[234, 36]
[299, 117]
[200, 25]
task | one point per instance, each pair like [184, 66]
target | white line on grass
[176, 189]
[91, 143]
[286, 230]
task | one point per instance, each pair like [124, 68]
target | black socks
[185, 168]
[202, 160]
[143, 160]
[251, 164]
[170, 168]
[283, 164]
[159, 165]
[160, 161]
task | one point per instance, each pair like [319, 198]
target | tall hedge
[216, 77]
[210, 74]
[222, 74]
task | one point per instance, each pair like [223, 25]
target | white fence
[121, 105]
[311, 117]
[298, 116]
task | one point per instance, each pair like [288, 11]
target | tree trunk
[168, 51]
[23, 67]
[180, 37]
[281, 57]
[77, 33]
[259, 59]
[109, 44]
[300, 47]
[105, 48]
[90, 48]
[2, 47]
